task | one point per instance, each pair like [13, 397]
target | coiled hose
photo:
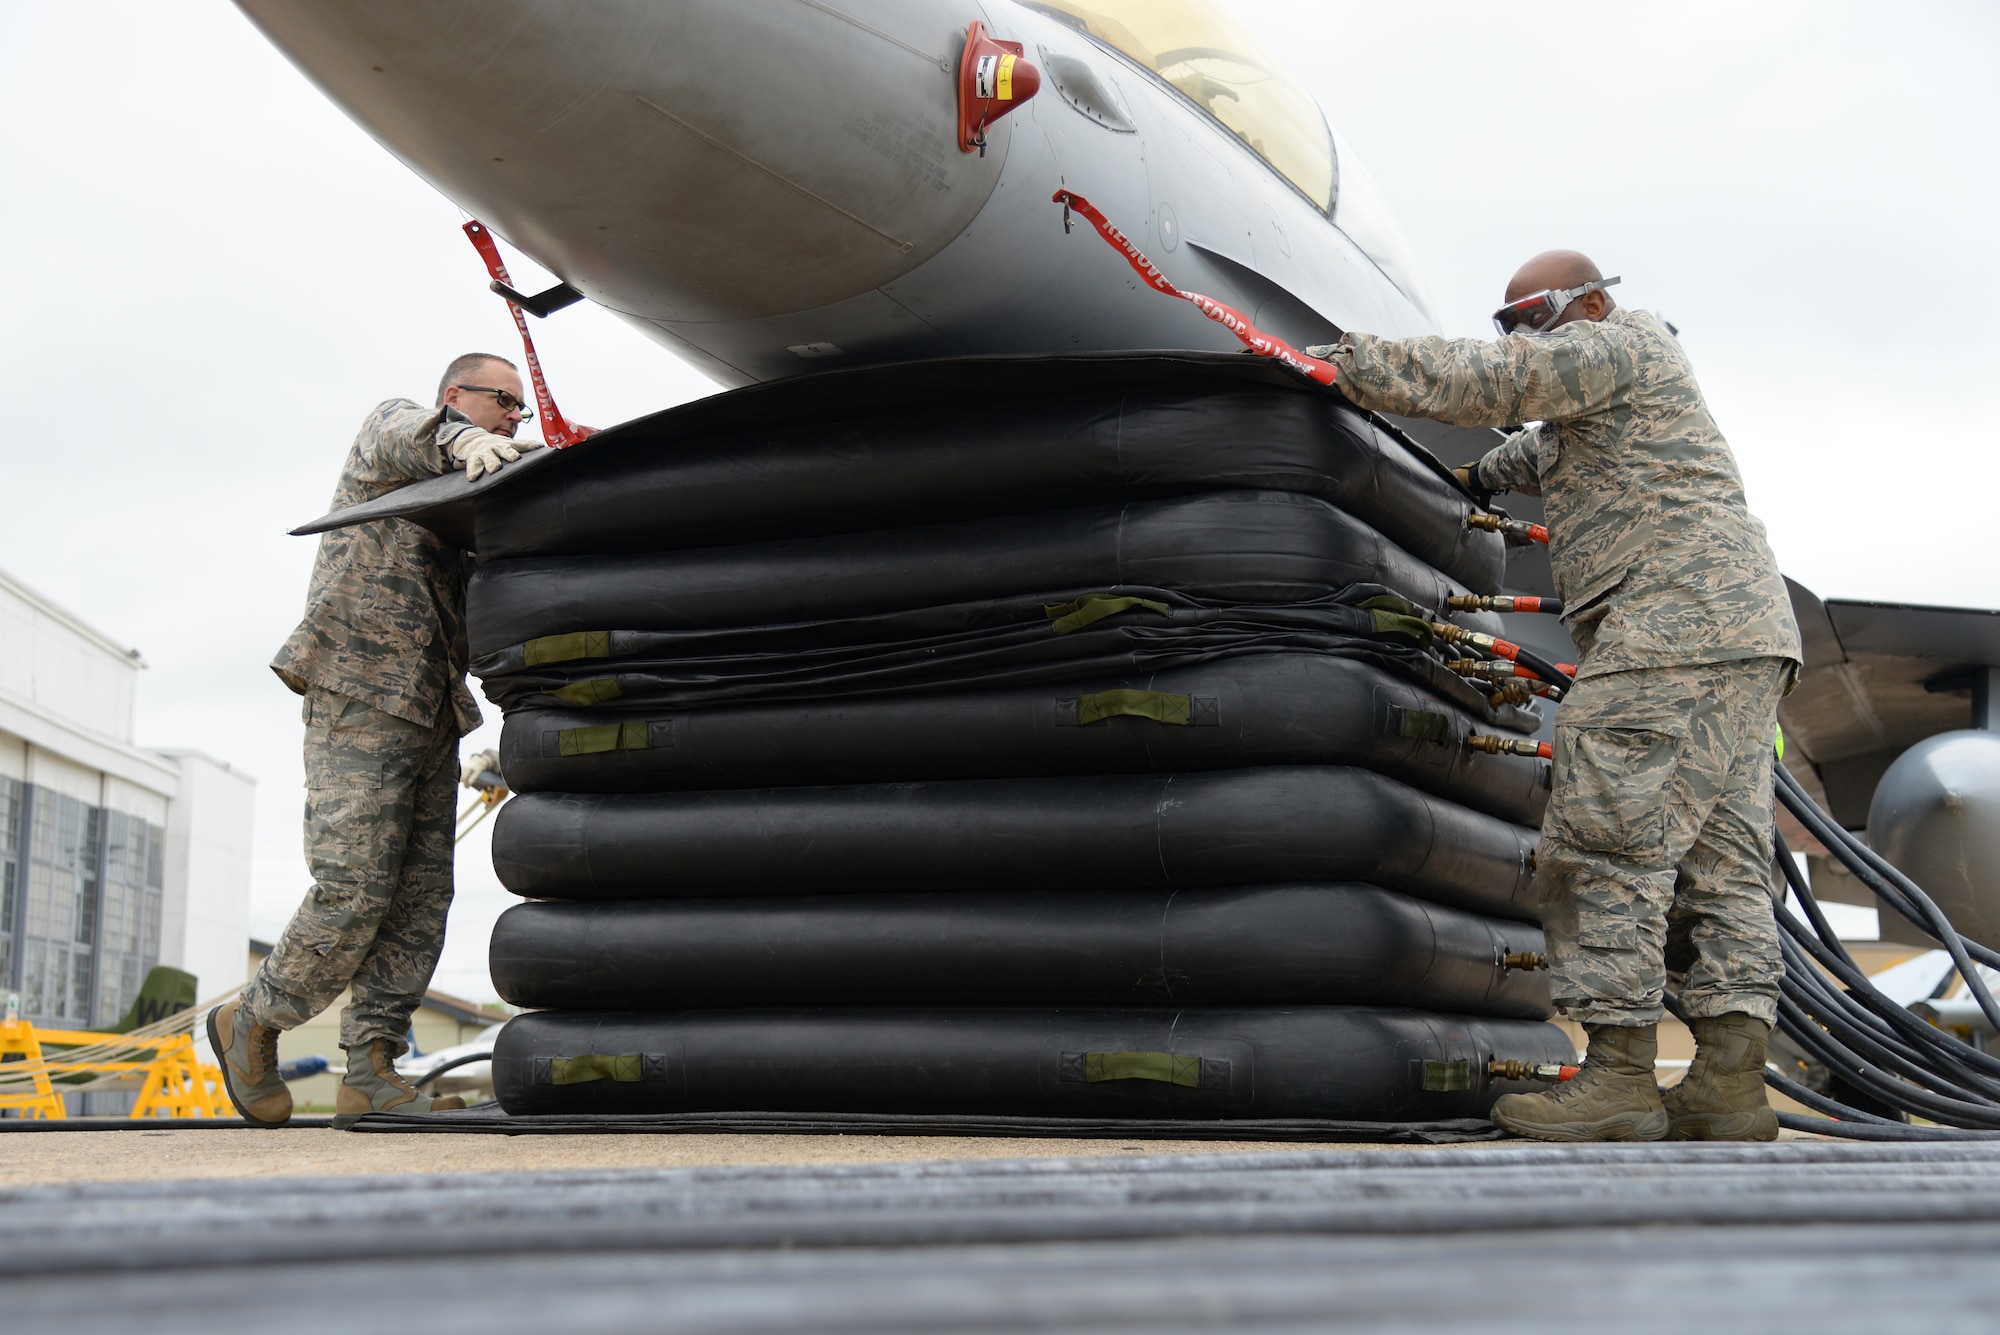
[1872, 1043]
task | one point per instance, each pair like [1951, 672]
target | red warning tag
[558, 433]
[1237, 323]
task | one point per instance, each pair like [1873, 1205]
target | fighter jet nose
[678, 160]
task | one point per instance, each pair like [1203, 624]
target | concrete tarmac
[1482, 1239]
[53, 1158]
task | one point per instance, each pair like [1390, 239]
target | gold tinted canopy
[1211, 59]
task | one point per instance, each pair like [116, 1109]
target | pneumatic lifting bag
[1241, 546]
[1220, 827]
[975, 457]
[1234, 946]
[1351, 1064]
[1253, 709]
[908, 442]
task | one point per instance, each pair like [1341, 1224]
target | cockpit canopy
[1216, 63]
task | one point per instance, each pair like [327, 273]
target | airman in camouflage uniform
[380, 659]
[1661, 810]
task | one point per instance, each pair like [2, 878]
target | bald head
[1553, 268]
[1563, 270]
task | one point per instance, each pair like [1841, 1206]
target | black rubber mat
[154, 1124]
[488, 1119]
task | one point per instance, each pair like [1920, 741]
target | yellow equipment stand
[176, 1082]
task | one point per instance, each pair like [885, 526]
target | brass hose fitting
[1547, 1072]
[1510, 746]
[1525, 960]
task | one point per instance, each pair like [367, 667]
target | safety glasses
[508, 403]
[1540, 310]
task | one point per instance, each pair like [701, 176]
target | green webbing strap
[603, 737]
[1156, 705]
[590, 691]
[1095, 607]
[1446, 1077]
[1164, 1067]
[1399, 616]
[567, 648]
[1423, 725]
[626, 1067]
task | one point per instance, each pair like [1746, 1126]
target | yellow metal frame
[175, 1081]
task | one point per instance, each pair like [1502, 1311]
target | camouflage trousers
[1657, 843]
[380, 795]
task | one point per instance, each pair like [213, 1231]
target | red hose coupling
[1547, 1072]
[1482, 602]
[1516, 528]
[1510, 746]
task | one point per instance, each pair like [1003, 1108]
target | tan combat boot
[1614, 1096]
[372, 1084]
[1722, 1096]
[249, 1056]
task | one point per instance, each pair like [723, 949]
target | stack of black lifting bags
[1063, 754]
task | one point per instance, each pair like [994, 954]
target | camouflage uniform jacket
[1657, 558]
[385, 613]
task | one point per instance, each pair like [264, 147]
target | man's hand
[476, 765]
[1321, 351]
[1468, 477]
[484, 452]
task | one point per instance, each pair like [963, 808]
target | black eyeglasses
[508, 403]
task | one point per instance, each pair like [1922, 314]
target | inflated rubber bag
[888, 446]
[1325, 1062]
[904, 467]
[1234, 946]
[1241, 546]
[1255, 709]
[1212, 828]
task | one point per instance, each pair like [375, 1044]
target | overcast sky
[210, 275]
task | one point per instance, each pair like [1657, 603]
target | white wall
[59, 774]
[51, 659]
[205, 910]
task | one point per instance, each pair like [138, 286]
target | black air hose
[1874, 1045]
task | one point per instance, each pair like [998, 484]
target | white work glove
[480, 451]
[476, 765]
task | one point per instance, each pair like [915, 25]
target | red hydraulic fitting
[1491, 644]
[1548, 1072]
[1481, 602]
[1512, 527]
[1500, 669]
[1510, 746]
